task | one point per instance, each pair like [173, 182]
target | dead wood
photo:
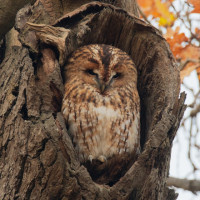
[8, 12]
[38, 160]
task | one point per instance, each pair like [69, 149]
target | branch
[194, 112]
[186, 62]
[191, 185]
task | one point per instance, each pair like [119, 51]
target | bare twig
[191, 185]
[196, 97]
[182, 65]
[190, 146]
[194, 112]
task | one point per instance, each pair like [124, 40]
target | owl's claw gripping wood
[90, 158]
[102, 158]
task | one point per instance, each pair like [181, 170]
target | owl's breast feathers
[102, 127]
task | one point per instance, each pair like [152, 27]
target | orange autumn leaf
[198, 72]
[187, 70]
[196, 4]
[147, 6]
[157, 9]
[189, 52]
[197, 32]
[166, 21]
[166, 17]
[178, 42]
[193, 53]
[170, 32]
[175, 40]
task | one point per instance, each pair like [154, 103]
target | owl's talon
[102, 158]
[90, 158]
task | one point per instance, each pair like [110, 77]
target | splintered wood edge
[97, 7]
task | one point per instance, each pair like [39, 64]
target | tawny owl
[102, 110]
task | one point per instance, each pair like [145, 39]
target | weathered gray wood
[8, 11]
[37, 158]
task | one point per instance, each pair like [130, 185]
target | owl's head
[103, 67]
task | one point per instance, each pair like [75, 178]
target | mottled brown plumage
[102, 110]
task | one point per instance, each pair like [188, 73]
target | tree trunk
[37, 158]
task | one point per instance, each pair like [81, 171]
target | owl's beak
[102, 87]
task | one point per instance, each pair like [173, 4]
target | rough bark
[8, 10]
[38, 160]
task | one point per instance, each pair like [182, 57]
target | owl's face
[103, 67]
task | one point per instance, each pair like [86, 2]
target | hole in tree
[56, 97]
[15, 91]
[24, 112]
[2, 49]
